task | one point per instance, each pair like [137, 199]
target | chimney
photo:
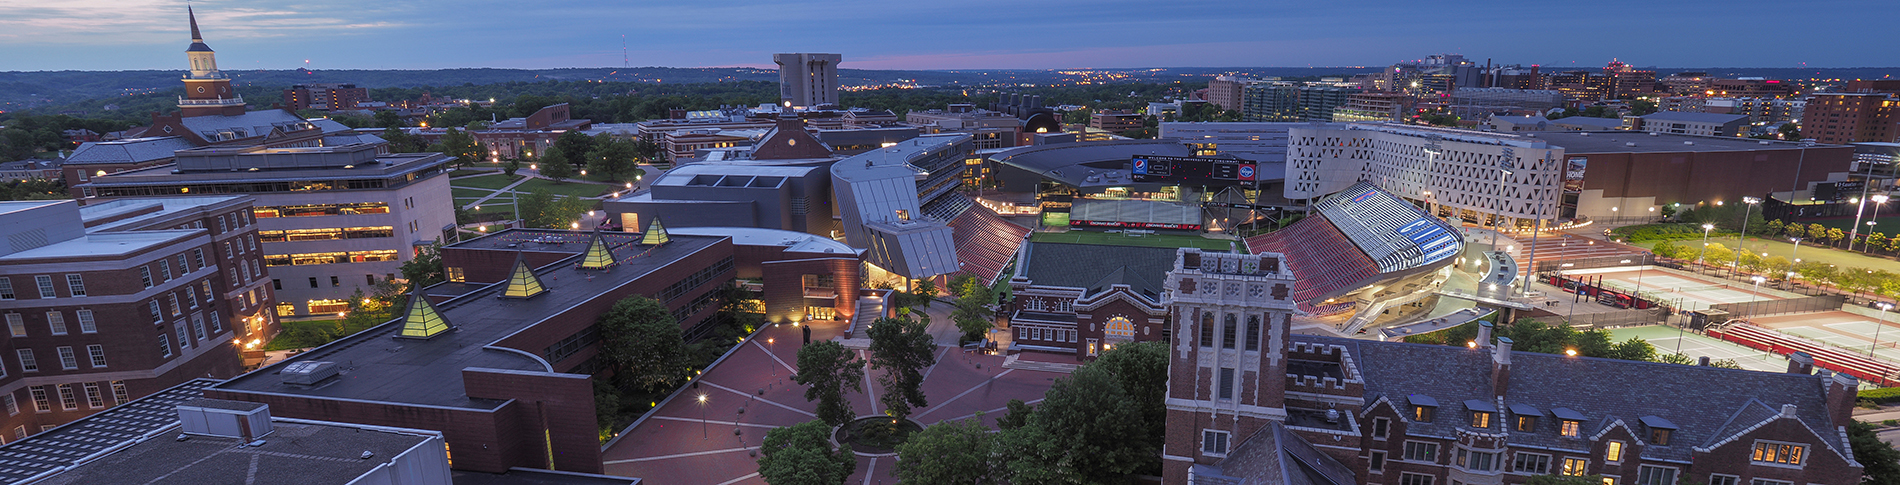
[1702, 361]
[1500, 366]
[1800, 363]
[1843, 391]
[1484, 335]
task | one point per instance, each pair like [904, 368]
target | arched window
[1207, 329]
[1228, 332]
[1119, 326]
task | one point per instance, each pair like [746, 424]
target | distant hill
[56, 90]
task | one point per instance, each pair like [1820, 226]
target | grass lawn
[308, 333]
[492, 181]
[470, 194]
[1887, 224]
[576, 189]
[1808, 252]
[1151, 240]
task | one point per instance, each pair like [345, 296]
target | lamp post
[1878, 200]
[1757, 293]
[1504, 170]
[772, 342]
[702, 416]
[1884, 306]
[1705, 243]
[1740, 243]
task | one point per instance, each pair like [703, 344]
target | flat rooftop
[294, 452]
[753, 236]
[1617, 141]
[374, 366]
[66, 444]
[389, 165]
[103, 244]
[166, 206]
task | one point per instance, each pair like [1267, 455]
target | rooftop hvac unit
[308, 372]
[245, 421]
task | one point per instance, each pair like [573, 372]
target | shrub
[1882, 395]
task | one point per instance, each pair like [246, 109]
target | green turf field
[577, 189]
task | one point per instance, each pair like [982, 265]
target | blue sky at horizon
[982, 34]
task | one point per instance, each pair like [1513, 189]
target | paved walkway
[751, 392]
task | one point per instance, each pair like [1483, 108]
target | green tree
[1017, 416]
[539, 208]
[947, 452]
[401, 141]
[613, 159]
[459, 144]
[1639, 107]
[1666, 249]
[801, 454]
[1777, 264]
[510, 166]
[1881, 460]
[902, 350]
[1633, 349]
[606, 406]
[1718, 255]
[574, 147]
[1141, 369]
[1083, 432]
[425, 269]
[973, 307]
[387, 119]
[1876, 242]
[828, 370]
[1789, 131]
[553, 164]
[639, 337]
[1674, 358]
[1795, 230]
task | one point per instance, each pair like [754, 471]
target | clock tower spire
[207, 91]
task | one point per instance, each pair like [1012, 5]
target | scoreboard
[1192, 170]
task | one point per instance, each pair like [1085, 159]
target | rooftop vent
[1766, 143]
[308, 372]
[246, 421]
[1688, 143]
[1629, 144]
[1654, 134]
[1584, 134]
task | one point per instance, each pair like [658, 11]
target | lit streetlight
[1740, 244]
[702, 417]
[1884, 306]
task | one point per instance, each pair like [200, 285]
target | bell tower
[1227, 376]
[207, 91]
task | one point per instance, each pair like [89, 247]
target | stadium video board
[1191, 170]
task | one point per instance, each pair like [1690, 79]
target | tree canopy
[828, 370]
[639, 337]
[901, 348]
[801, 454]
[1083, 432]
[947, 452]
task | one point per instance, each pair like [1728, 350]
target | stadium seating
[985, 241]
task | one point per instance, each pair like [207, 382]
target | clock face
[201, 89]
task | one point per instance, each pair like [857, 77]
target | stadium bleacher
[985, 242]
[1353, 239]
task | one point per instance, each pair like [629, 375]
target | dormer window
[1423, 407]
[1527, 423]
[1482, 412]
[1569, 422]
[1659, 429]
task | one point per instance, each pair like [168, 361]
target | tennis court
[1694, 291]
[1850, 331]
[1668, 339]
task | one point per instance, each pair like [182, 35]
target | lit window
[1613, 452]
[16, 324]
[1480, 419]
[1573, 467]
[1570, 428]
[1526, 423]
[1422, 414]
[1782, 453]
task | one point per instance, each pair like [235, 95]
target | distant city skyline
[434, 34]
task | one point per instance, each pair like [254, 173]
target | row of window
[1542, 464]
[75, 286]
[357, 208]
[1046, 334]
[303, 259]
[326, 234]
[1229, 331]
[55, 323]
[336, 282]
[694, 280]
[68, 400]
[68, 359]
[185, 334]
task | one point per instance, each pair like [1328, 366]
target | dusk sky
[982, 34]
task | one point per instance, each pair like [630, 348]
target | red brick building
[504, 373]
[327, 97]
[1083, 299]
[528, 137]
[114, 301]
[1851, 117]
[1250, 402]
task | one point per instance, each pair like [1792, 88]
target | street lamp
[702, 416]
[1740, 244]
[772, 343]
[1878, 200]
[1705, 242]
[1884, 306]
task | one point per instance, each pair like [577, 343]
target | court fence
[1812, 304]
[1611, 261]
[1628, 318]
